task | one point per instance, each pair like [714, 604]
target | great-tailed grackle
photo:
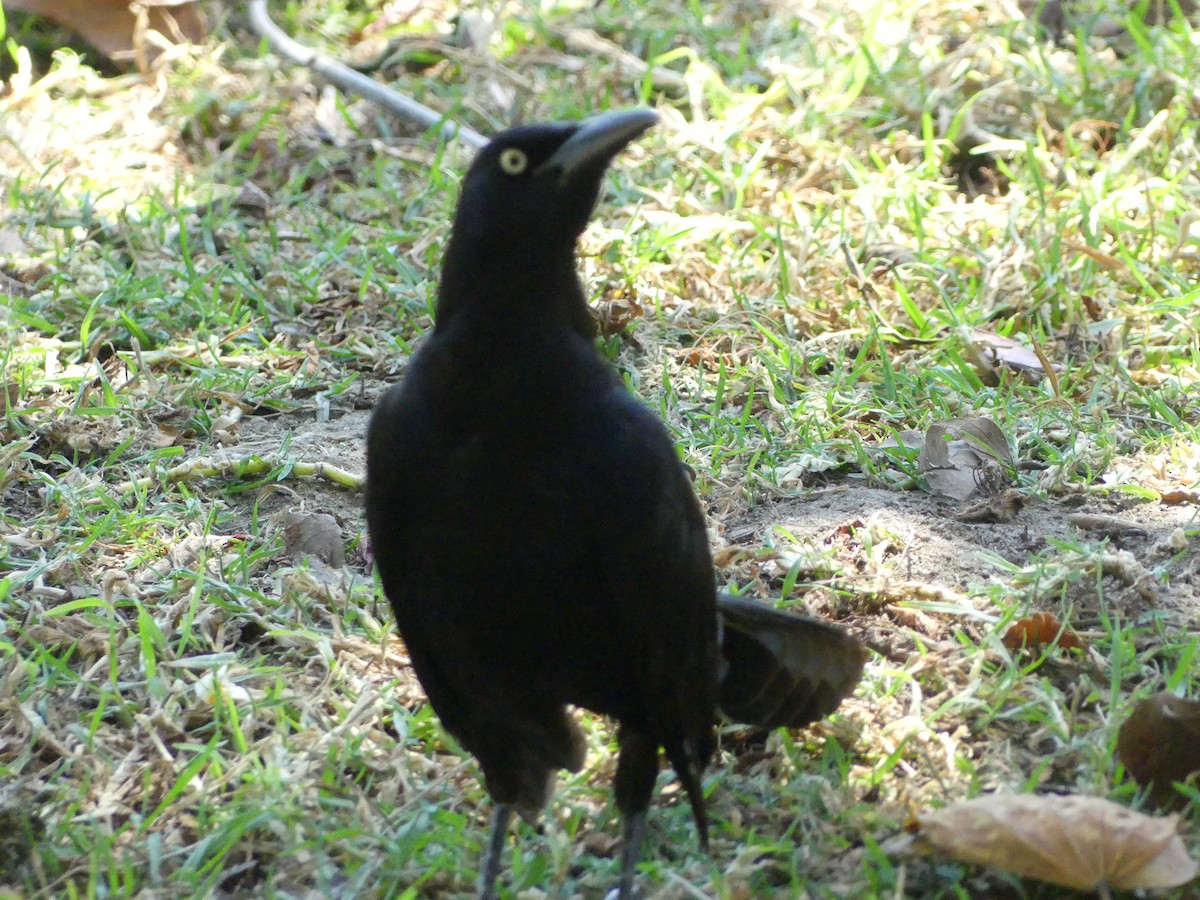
[535, 531]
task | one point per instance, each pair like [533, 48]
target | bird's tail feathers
[782, 669]
[689, 769]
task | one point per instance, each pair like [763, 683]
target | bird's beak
[598, 139]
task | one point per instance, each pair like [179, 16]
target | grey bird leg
[489, 872]
[634, 830]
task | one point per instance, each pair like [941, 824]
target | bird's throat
[508, 288]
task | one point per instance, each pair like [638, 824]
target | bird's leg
[637, 768]
[633, 830]
[489, 872]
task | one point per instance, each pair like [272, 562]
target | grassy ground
[212, 271]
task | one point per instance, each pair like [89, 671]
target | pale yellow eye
[513, 161]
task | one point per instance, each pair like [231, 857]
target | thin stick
[342, 76]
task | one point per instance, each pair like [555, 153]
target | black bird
[535, 531]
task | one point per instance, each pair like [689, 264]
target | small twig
[342, 76]
[688, 888]
[1184, 225]
[1149, 137]
[587, 41]
[1048, 367]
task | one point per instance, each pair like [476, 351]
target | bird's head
[540, 182]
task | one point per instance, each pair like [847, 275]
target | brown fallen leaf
[615, 315]
[1179, 497]
[1040, 629]
[1001, 508]
[1102, 259]
[599, 843]
[884, 256]
[11, 391]
[960, 456]
[994, 351]
[1107, 524]
[908, 439]
[314, 534]
[1078, 842]
[112, 26]
[11, 287]
[915, 619]
[1160, 744]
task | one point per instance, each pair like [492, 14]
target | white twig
[342, 76]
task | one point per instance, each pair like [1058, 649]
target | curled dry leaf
[1179, 497]
[994, 351]
[314, 534]
[908, 439]
[1160, 745]
[615, 315]
[883, 256]
[1111, 525]
[112, 27]
[1003, 508]
[960, 455]
[1077, 842]
[1039, 629]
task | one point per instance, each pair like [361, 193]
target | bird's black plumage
[534, 530]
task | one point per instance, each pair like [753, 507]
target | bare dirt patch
[1082, 553]
[1152, 568]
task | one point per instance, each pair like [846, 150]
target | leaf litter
[901, 566]
[1086, 843]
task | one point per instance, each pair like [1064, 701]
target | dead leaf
[223, 427]
[884, 256]
[11, 287]
[615, 315]
[1040, 629]
[1110, 525]
[1160, 744]
[915, 619]
[1077, 842]
[961, 455]
[164, 435]
[1102, 259]
[111, 26]
[1179, 497]
[1094, 310]
[188, 553]
[908, 439]
[993, 351]
[599, 843]
[12, 244]
[1002, 508]
[252, 199]
[314, 534]
[19, 268]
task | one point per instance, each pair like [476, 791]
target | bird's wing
[653, 558]
[393, 456]
[781, 669]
